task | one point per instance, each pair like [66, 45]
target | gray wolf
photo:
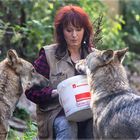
[15, 75]
[116, 109]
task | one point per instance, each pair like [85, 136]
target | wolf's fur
[116, 109]
[15, 75]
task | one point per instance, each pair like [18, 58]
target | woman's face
[73, 35]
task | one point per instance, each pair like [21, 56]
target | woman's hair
[78, 18]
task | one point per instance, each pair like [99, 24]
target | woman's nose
[74, 33]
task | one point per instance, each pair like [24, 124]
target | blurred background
[27, 25]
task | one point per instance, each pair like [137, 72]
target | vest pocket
[57, 78]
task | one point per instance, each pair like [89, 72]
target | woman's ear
[121, 54]
[107, 56]
[12, 57]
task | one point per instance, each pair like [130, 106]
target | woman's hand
[54, 93]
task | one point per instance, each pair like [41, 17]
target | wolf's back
[121, 117]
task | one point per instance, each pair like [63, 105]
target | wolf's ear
[121, 54]
[107, 56]
[12, 57]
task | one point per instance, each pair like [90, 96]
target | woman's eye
[78, 29]
[68, 30]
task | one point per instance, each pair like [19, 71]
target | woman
[73, 31]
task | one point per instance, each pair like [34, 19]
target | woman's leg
[64, 129]
[85, 129]
[89, 129]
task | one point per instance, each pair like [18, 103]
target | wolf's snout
[80, 68]
[44, 82]
[81, 72]
[40, 81]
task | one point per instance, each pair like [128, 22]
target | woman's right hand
[54, 93]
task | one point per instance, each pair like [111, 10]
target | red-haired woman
[73, 31]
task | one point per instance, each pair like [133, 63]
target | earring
[84, 42]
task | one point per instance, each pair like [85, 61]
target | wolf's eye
[33, 70]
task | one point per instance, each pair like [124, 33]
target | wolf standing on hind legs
[116, 109]
[15, 75]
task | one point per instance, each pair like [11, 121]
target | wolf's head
[98, 59]
[25, 71]
[104, 69]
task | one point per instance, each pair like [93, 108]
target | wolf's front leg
[4, 124]
[3, 136]
[3, 130]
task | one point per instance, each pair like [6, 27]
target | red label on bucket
[82, 96]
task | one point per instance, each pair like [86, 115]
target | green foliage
[29, 134]
[31, 131]
[12, 134]
[21, 114]
[112, 33]
[131, 12]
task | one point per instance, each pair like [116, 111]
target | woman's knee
[64, 128]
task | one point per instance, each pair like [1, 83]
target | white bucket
[75, 98]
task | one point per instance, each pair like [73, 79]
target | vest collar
[67, 58]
